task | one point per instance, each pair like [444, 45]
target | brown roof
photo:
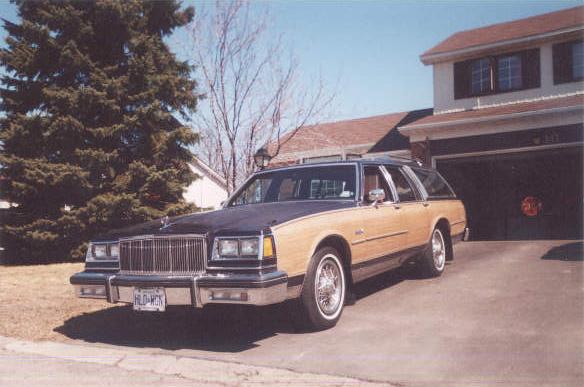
[522, 28]
[501, 110]
[340, 134]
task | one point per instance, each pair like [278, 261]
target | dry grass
[35, 300]
[38, 303]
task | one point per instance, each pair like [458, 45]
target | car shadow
[569, 252]
[217, 328]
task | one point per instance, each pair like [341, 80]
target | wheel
[434, 258]
[323, 293]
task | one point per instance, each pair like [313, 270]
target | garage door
[526, 195]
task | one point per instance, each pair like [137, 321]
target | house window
[497, 74]
[481, 76]
[568, 61]
[509, 72]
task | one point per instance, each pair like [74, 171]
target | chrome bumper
[195, 291]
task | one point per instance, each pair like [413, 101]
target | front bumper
[197, 291]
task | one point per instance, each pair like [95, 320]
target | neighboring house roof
[502, 111]
[209, 172]
[360, 135]
[562, 21]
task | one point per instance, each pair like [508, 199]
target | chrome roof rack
[408, 160]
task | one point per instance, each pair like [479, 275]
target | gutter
[464, 121]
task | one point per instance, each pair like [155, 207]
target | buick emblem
[164, 222]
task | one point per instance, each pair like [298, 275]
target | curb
[197, 370]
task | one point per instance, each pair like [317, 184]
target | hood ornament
[164, 222]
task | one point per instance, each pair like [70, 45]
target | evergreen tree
[89, 137]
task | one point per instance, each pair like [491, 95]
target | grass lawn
[34, 300]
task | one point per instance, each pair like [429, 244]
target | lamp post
[262, 158]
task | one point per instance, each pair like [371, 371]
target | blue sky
[370, 49]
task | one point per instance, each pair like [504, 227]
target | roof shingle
[522, 28]
[343, 134]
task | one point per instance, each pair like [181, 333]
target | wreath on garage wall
[531, 206]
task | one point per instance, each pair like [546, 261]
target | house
[342, 140]
[507, 127]
[209, 190]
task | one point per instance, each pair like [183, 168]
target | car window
[434, 184]
[402, 185]
[254, 192]
[373, 179]
[310, 183]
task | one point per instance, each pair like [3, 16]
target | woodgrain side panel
[297, 240]
[452, 210]
[369, 232]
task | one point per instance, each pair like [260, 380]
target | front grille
[163, 254]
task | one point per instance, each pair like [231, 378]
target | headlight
[244, 248]
[103, 251]
[114, 250]
[228, 247]
[250, 247]
[100, 251]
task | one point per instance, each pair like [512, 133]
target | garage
[534, 194]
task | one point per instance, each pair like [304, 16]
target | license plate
[149, 299]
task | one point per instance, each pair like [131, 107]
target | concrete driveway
[502, 313]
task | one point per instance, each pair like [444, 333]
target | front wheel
[323, 292]
[434, 258]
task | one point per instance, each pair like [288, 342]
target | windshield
[311, 183]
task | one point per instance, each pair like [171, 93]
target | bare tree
[252, 86]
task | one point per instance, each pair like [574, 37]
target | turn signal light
[268, 247]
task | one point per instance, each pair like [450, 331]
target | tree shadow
[217, 328]
[569, 252]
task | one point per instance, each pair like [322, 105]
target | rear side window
[404, 190]
[434, 184]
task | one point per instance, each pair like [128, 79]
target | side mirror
[376, 196]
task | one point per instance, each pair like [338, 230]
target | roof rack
[414, 161]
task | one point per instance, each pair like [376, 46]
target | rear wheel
[321, 302]
[434, 258]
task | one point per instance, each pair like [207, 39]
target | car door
[415, 217]
[383, 232]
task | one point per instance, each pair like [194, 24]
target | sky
[368, 51]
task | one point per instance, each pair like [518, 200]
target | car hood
[234, 221]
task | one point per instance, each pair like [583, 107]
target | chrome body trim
[388, 235]
[170, 236]
[293, 292]
[466, 236]
[79, 294]
[186, 290]
[180, 254]
[272, 295]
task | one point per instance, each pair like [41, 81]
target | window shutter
[562, 53]
[461, 80]
[531, 68]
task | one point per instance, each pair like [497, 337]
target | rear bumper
[463, 236]
[197, 291]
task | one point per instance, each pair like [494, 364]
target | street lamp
[262, 158]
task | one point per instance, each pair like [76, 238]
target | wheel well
[444, 226]
[340, 244]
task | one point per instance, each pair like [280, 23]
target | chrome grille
[180, 254]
